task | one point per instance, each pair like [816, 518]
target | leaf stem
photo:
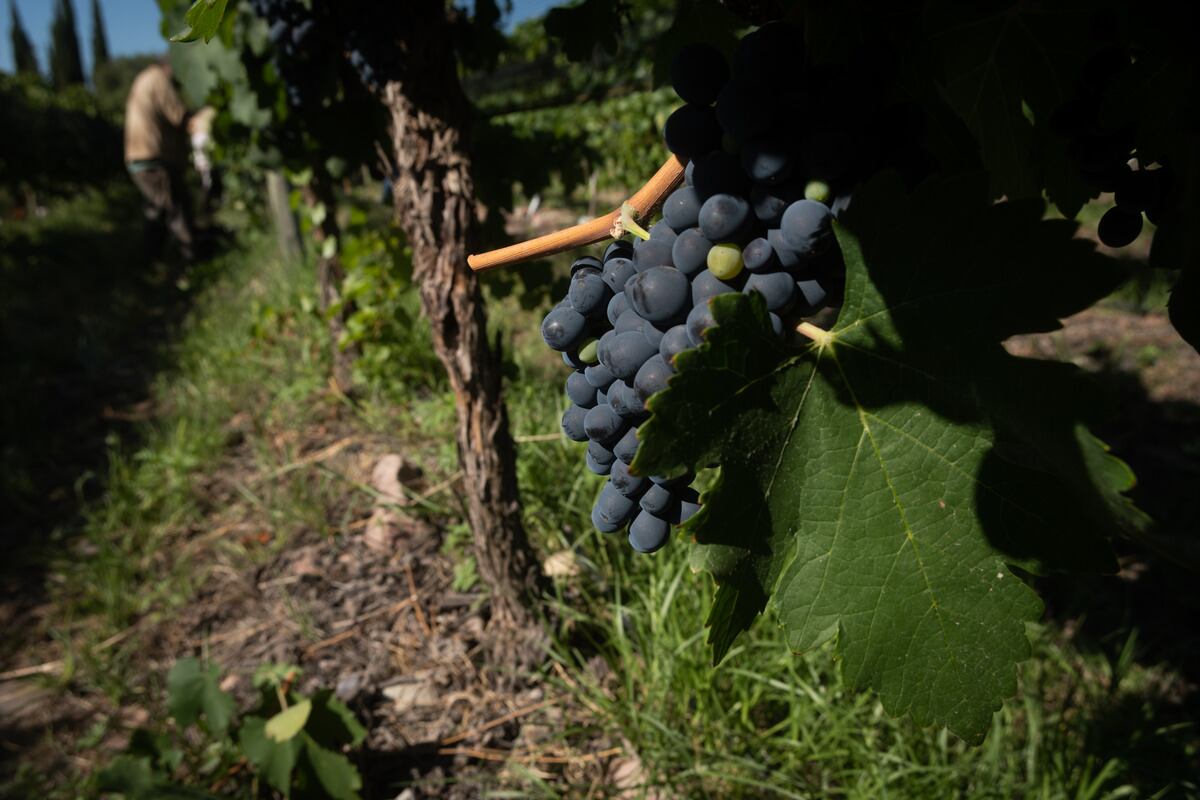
[822, 337]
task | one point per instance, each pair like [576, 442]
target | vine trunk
[435, 204]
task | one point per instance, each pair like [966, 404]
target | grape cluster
[754, 214]
[1105, 155]
[299, 52]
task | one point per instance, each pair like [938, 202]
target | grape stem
[610, 225]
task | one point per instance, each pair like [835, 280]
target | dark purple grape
[662, 230]
[652, 377]
[789, 259]
[620, 248]
[657, 499]
[769, 202]
[625, 401]
[698, 71]
[658, 294]
[600, 454]
[586, 262]
[572, 424]
[681, 209]
[690, 252]
[563, 328]
[699, 320]
[628, 352]
[612, 509]
[627, 483]
[602, 424]
[706, 286]
[596, 466]
[653, 334]
[1119, 226]
[602, 347]
[778, 289]
[719, 173]
[580, 391]
[691, 131]
[589, 294]
[674, 342]
[599, 376]
[807, 227]
[626, 447]
[618, 270]
[652, 253]
[617, 306]
[648, 533]
[759, 256]
[767, 159]
[629, 321]
[724, 217]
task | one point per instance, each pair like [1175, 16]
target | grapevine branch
[643, 202]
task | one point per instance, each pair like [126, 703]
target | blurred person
[199, 128]
[156, 151]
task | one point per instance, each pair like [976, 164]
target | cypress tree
[24, 56]
[66, 65]
[99, 38]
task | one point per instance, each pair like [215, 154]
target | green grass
[1089, 721]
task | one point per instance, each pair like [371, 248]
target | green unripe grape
[725, 260]
[587, 353]
[817, 190]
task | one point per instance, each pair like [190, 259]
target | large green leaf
[274, 759]
[193, 689]
[876, 486]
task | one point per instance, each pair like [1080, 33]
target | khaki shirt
[154, 117]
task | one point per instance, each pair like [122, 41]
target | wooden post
[284, 221]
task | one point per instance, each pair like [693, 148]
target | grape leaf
[332, 724]
[877, 486]
[1006, 66]
[192, 689]
[274, 759]
[337, 776]
[203, 19]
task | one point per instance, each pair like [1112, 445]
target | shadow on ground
[1149, 613]
[85, 324]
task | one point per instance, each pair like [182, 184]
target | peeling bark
[435, 203]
